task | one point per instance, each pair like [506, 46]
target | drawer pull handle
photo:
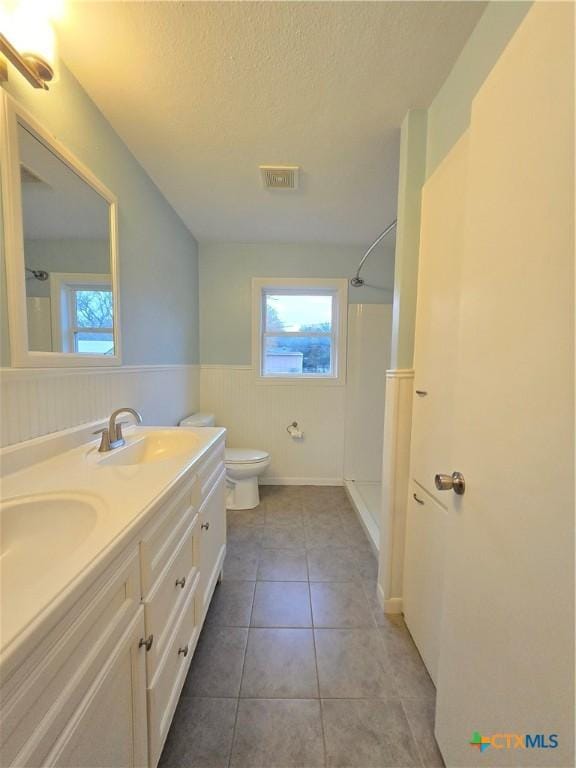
[417, 499]
[181, 582]
[147, 643]
[183, 651]
[421, 392]
[205, 526]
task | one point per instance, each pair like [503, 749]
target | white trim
[34, 373]
[301, 481]
[10, 113]
[340, 287]
[400, 373]
[394, 605]
[226, 366]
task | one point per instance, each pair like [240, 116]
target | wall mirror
[60, 238]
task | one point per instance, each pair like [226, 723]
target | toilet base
[242, 494]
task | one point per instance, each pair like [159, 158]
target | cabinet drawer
[164, 691]
[165, 601]
[39, 698]
[212, 539]
[162, 537]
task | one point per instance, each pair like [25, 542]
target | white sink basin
[41, 531]
[158, 445]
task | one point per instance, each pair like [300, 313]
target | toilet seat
[235, 456]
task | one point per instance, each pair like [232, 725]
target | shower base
[366, 497]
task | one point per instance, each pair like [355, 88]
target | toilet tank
[199, 420]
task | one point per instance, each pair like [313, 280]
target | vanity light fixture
[27, 39]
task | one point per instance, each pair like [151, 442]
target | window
[90, 323]
[83, 313]
[300, 328]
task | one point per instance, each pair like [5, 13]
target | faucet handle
[104, 446]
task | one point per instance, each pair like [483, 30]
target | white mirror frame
[20, 355]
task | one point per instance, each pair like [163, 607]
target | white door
[441, 243]
[507, 643]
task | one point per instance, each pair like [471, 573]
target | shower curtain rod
[357, 281]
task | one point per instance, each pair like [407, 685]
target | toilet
[243, 467]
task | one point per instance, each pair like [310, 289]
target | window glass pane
[304, 312]
[94, 343]
[94, 309]
[297, 355]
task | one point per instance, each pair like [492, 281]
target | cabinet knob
[181, 582]
[183, 651]
[147, 643]
[205, 526]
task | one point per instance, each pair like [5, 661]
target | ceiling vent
[280, 176]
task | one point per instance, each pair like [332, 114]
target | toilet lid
[245, 456]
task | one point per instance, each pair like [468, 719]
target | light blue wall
[158, 255]
[227, 269]
[449, 113]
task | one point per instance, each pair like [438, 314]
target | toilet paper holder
[294, 432]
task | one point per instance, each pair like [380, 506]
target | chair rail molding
[395, 477]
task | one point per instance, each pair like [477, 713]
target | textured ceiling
[204, 92]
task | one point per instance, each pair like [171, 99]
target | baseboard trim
[301, 481]
[393, 605]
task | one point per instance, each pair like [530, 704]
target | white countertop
[124, 498]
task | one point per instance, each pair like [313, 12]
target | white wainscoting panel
[395, 475]
[35, 402]
[256, 416]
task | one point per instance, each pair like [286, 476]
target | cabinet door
[437, 315]
[109, 728]
[424, 574]
[212, 540]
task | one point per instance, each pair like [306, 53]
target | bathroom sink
[154, 446]
[40, 531]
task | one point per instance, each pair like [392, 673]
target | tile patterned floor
[297, 666]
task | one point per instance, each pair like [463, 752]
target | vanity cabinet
[212, 539]
[101, 687]
[79, 699]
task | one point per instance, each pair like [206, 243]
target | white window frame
[64, 328]
[338, 288]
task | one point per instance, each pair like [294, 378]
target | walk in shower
[369, 338]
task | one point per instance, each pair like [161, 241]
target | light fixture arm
[36, 71]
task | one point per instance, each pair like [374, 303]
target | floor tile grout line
[416, 745]
[238, 697]
[318, 677]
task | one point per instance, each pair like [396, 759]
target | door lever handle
[454, 482]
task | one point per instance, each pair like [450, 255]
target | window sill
[300, 381]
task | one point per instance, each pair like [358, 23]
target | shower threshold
[366, 497]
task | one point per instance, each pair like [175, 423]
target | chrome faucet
[112, 436]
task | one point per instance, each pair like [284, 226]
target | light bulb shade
[27, 26]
